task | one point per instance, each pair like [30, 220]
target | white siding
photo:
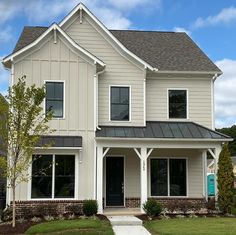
[119, 71]
[58, 62]
[199, 93]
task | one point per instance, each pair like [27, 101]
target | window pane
[177, 104]
[64, 176]
[177, 177]
[159, 177]
[42, 177]
[54, 98]
[115, 95]
[120, 112]
[49, 90]
[124, 95]
[59, 90]
[56, 107]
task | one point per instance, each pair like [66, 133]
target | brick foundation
[48, 207]
[132, 202]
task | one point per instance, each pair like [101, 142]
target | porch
[164, 160]
[127, 177]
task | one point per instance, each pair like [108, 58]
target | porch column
[204, 169]
[99, 188]
[216, 159]
[143, 174]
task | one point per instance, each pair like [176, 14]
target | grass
[68, 227]
[194, 226]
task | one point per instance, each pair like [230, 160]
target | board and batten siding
[199, 98]
[50, 61]
[119, 71]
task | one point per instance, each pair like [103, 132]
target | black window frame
[170, 105]
[168, 179]
[53, 175]
[120, 103]
[56, 99]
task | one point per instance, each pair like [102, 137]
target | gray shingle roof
[167, 51]
[61, 141]
[159, 129]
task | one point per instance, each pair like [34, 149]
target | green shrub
[225, 177]
[90, 207]
[233, 208]
[152, 208]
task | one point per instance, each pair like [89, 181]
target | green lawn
[195, 226]
[67, 227]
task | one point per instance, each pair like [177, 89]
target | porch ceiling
[163, 130]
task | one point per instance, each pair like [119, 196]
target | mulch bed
[19, 229]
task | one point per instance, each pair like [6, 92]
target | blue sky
[211, 24]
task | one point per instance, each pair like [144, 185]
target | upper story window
[55, 98]
[119, 107]
[177, 103]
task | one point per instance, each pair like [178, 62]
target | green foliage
[233, 208]
[230, 131]
[152, 208]
[24, 122]
[90, 207]
[225, 179]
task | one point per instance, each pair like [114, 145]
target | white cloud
[6, 34]
[130, 4]
[225, 95]
[225, 16]
[181, 29]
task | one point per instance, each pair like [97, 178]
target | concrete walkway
[127, 225]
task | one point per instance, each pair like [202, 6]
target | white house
[133, 113]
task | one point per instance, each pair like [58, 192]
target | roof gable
[34, 38]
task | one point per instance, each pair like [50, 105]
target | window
[53, 176]
[177, 103]
[120, 103]
[55, 98]
[168, 177]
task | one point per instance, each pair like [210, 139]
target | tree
[225, 178]
[24, 123]
[230, 131]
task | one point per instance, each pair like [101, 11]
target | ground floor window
[168, 177]
[53, 176]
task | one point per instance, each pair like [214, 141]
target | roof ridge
[144, 31]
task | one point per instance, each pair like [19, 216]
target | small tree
[24, 124]
[225, 178]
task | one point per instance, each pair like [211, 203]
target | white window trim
[168, 177]
[76, 186]
[120, 121]
[187, 104]
[64, 99]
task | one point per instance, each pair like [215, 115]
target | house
[133, 113]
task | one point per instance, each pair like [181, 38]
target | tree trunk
[13, 206]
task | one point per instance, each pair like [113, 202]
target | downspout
[213, 100]
[96, 95]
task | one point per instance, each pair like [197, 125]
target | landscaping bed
[82, 225]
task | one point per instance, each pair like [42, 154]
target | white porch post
[99, 189]
[204, 168]
[217, 153]
[143, 174]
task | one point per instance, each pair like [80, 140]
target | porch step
[125, 221]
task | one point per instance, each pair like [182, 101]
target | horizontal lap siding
[119, 71]
[199, 91]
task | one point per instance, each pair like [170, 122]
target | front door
[114, 181]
